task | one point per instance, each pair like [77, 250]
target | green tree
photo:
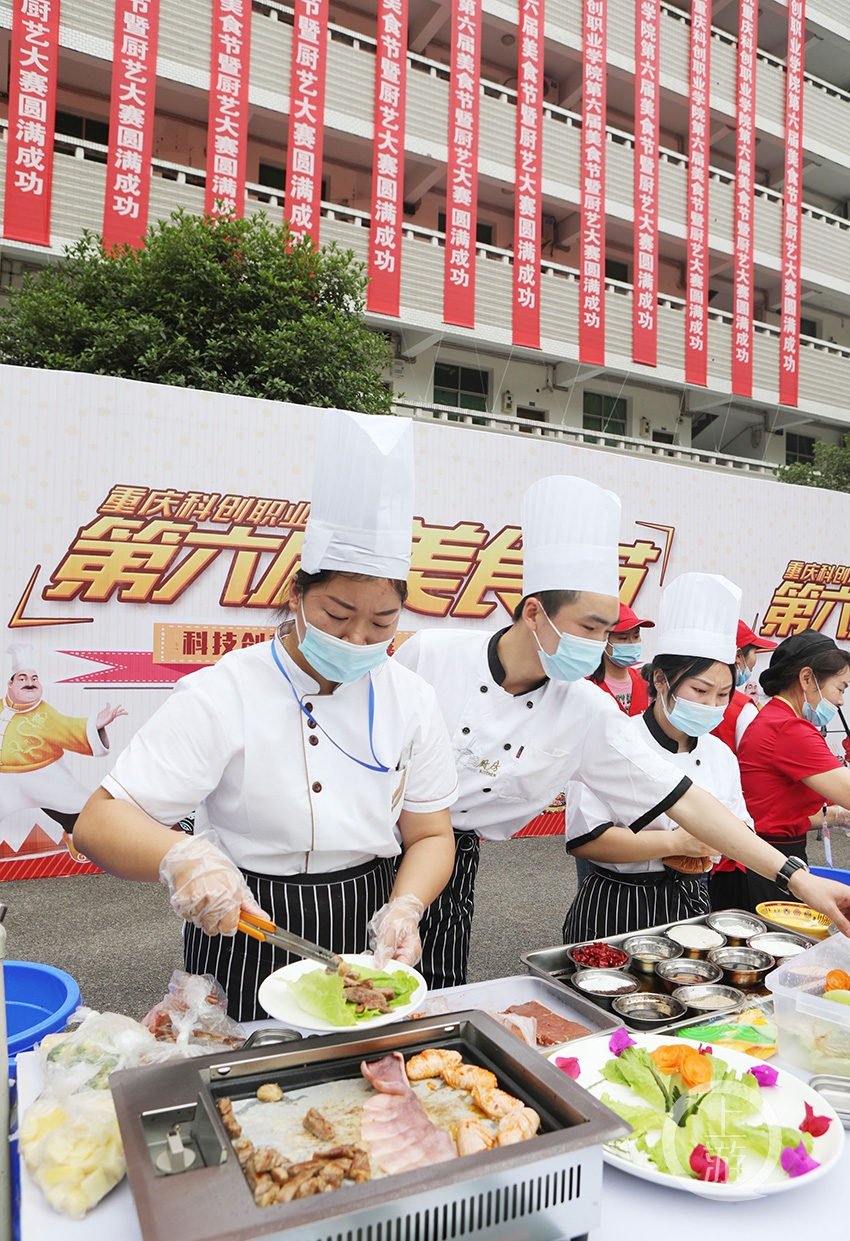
[831, 468]
[222, 305]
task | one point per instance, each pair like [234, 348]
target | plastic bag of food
[194, 1014]
[524, 1027]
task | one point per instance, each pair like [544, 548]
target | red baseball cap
[746, 637]
[630, 620]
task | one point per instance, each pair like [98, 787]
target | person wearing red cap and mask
[616, 674]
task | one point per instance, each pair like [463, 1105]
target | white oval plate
[278, 1000]
[782, 1104]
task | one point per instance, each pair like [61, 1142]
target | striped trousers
[446, 925]
[331, 909]
[614, 904]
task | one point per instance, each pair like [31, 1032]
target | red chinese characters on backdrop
[462, 172]
[383, 292]
[227, 124]
[696, 306]
[645, 304]
[32, 120]
[591, 338]
[306, 134]
[529, 143]
[745, 154]
[789, 346]
[131, 114]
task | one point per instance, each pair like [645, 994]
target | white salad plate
[279, 1001]
[782, 1104]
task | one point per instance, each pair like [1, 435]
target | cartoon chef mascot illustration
[33, 740]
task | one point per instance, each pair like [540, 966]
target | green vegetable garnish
[321, 994]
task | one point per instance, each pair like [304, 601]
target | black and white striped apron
[331, 909]
[610, 903]
[446, 926]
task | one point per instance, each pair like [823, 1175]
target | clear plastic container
[813, 1033]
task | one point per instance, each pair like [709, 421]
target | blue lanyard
[377, 766]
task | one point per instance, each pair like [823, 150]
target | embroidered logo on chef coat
[474, 762]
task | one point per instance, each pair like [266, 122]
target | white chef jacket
[516, 753]
[233, 741]
[710, 764]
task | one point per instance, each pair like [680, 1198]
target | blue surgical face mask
[742, 675]
[823, 714]
[694, 719]
[574, 659]
[337, 660]
[624, 654]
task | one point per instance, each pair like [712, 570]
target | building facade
[564, 237]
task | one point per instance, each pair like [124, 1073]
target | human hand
[840, 817]
[681, 841]
[825, 895]
[394, 931]
[107, 715]
[206, 888]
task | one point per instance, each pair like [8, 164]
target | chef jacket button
[317, 788]
[483, 689]
[486, 790]
[507, 745]
[464, 731]
[698, 761]
[309, 706]
[311, 723]
[529, 705]
[314, 740]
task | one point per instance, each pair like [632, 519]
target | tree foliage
[831, 468]
[223, 305]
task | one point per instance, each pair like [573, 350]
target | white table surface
[631, 1208]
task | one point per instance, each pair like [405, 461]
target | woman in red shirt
[616, 674]
[788, 772]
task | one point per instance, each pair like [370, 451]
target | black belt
[651, 878]
[786, 842]
[331, 876]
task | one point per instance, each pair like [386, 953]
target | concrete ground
[121, 941]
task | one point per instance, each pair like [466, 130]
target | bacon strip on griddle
[394, 1123]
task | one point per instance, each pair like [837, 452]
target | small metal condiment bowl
[727, 924]
[775, 938]
[673, 972]
[598, 977]
[575, 947]
[648, 1009]
[647, 951]
[742, 967]
[708, 992]
[693, 954]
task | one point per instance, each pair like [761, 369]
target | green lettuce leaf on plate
[321, 994]
[633, 1068]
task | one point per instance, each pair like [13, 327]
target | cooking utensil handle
[265, 924]
[252, 931]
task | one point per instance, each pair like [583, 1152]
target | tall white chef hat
[570, 536]
[699, 616]
[22, 657]
[361, 511]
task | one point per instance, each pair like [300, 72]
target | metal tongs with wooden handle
[267, 932]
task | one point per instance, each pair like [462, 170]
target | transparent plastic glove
[205, 886]
[394, 931]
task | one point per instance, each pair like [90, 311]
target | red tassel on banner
[789, 347]
[382, 295]
[33, 60]
[696, 306]
[462, 175]
[745, 158]
[227, 124]
[591, 333]
[529, 144]
[645, 281]
[306, 134]
[131, 112]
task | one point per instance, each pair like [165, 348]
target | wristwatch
[785, 872]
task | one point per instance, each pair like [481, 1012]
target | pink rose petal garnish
[705, 1050]
[815, 1125]
[708, 1167]
[764, 1074]
[619, 1041]
[797, 1161]
[570, 1066]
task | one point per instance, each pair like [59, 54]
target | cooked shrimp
[467, 1076]
[473, 1136]
[495, 1103]
[431, 1062]
[517, 1126]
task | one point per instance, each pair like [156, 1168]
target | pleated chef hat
[570, 536]
[21, 656]
[699, 616]
[361, 511]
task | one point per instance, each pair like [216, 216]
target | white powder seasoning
[695, 936]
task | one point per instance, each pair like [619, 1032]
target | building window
[662, 437]
[799, 448]
[274, 178]
[82, 127]
[462, 387]
[615, 270]
[483, 232]
[809, 327]
[603, 413]
[529, 413]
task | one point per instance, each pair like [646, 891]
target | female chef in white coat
[649, 877]
[302, 753]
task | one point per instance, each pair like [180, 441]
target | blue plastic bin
[39, 1001]
[827, 872]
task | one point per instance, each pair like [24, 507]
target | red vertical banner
[462, 172]
[529, 151]
[384, 288]
[227, 121]
[306, 134]
[745, 160]
[699, 138]
[789, 347]
[33, 61]
[591, 333]
[131, 115]
[645, 301]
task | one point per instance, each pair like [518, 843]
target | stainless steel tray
[496, 994]
[836, 1091]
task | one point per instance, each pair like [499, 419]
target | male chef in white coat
[523, 720]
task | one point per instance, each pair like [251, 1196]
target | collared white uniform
[514, 754]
